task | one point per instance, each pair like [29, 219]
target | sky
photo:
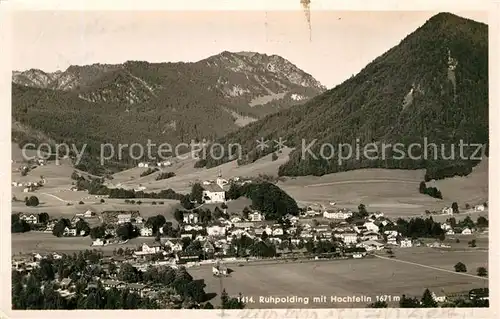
[339, 44]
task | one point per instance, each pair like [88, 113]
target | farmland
[358, 277]
[46, 243]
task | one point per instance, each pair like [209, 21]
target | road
[430, 267]
[54, 196]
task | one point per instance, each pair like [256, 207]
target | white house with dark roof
[124, 218]
[213, 193]
[30, 219]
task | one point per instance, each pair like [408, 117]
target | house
[406, 243]
[216, 230]
[190, 228]
[466, 231]
[235, 220]
[190, 218]
[219, 270]
[30, 219]
[437, 298]
[450, 232]
[277, 232]
[330, 214]
[149, 249]
[174, 245]
[140, 289]
[98, 242]
[392, 241]
[208, 247]
[50, 226]
[69, 231]
[447, 211]
[256, 216]
[339, 214]
[371, 245]
[370, 235]
[146, 231]
[75, 220]
[88, 214]
[108, 284]
[479, 208]
[65, 282]
[371, 226]
[445, 226]
[213, 193]
[391, 233]
[139, 220]
[349, 238]
[124, 218]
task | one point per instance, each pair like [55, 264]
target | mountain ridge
[433, 84]
[168, 102]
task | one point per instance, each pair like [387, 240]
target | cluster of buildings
[29, 186]
[156, 164]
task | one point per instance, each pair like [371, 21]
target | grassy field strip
[430, 267]
[364, 181]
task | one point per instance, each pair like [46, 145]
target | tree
[97, 232]
[460, 267]
[246, 212]
[197, 193]
[59, 227]
[126, 231]
[43, 218]
[427, 300]
[482, 222]
[186, 202]
[407, 302]
[422, 187]
[264, 236]
[482, 272]
[223, 206]
[102, 201]
[81, 202]
[454, 207]
[274, 157]
[32, 201]
[442, 237]
[82, 225]
[362, 210]
[467, 206]
[472, 243]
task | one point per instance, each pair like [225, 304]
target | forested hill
[433, 85]
[164, 102]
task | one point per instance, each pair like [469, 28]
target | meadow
[369, 277]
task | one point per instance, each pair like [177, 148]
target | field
[46, 242]
[369, 277]
[394, 192]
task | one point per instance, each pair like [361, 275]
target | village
[217, 238]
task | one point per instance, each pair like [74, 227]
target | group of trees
[467, 222]
[20, 226]
[177, 287]
[266, 198]
[28, 294]
[431, 191]
[164, 175]
[149, 171]
[31, 201]
[418, 228]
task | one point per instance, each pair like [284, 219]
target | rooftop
[212, 188]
